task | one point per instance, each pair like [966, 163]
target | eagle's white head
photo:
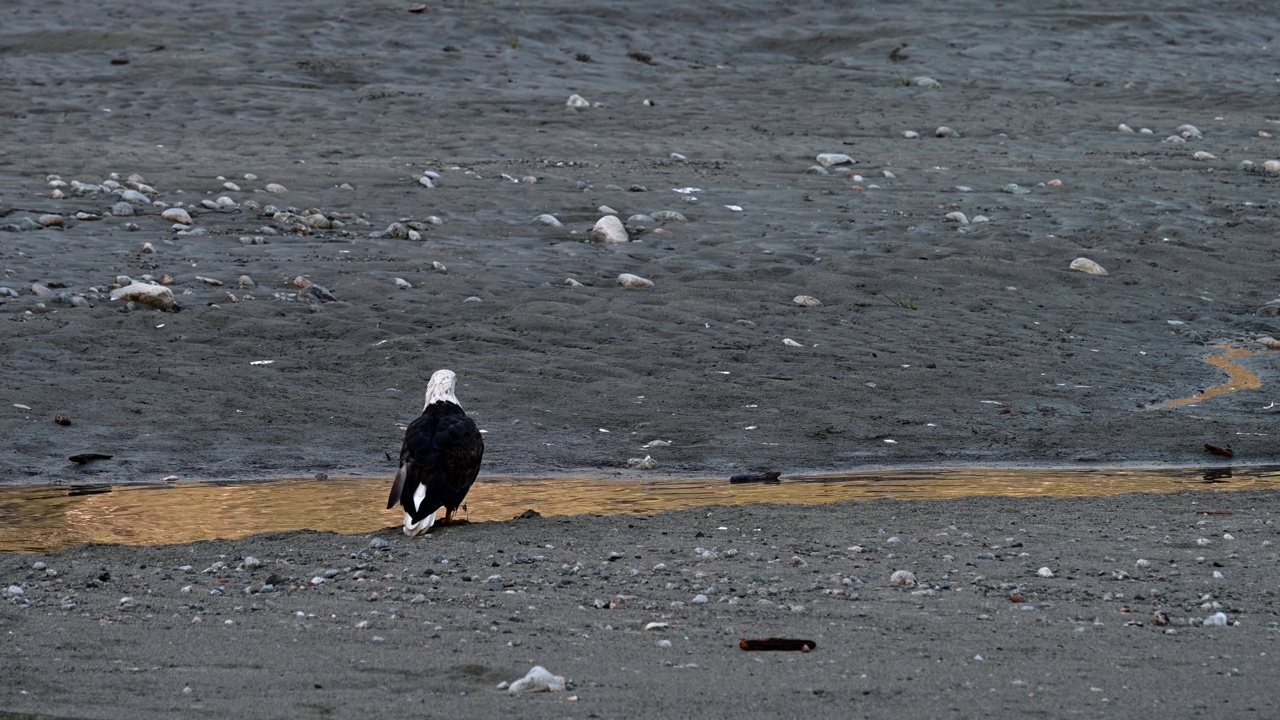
[441, 388]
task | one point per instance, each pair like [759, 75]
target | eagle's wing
[441, 453]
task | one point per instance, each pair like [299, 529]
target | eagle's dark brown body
[439, 461]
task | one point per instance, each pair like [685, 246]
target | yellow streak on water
[1238, 378]
[50, 518]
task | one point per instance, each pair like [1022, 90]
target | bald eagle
[439, 460]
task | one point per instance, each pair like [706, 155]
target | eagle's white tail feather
[412, 528]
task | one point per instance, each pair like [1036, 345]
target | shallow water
[50, 518]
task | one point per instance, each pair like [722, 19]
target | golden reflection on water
[1238, 377]
[50, 518]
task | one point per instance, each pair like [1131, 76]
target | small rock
[668, 216]
[275, 188]
[122, 209]
[1202, 155]
[609, 229]
[549, 220]
[570, 282]
[177, 215]
[700, 599]
[1015, 189]
[251, 562]
[806, 301]
[644, 463]
[904, 578]
[577, 101]
[634, 281]
[945, 132]
[827, 160]
[910, 134]
[1044, 572]
[1217, 619]
[51, 220]
[539, 679]
[957, 217]
[1271, 166]
[1189, 132]
[403, 284]
[156, 296]
[245, 281]
[925, 81]
[1085, 265]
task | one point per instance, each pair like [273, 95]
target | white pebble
[634, 281]
[700, 599]
[925, 81]
[806, 301]
[157, 296]
[1202, 155]
[664, 643]
[539, 679]
[609, 229]
[1044, 572]
[1190, 132]
[827, 160]
[1218, 619]
[426, 182]
[549, 220]
[911, 134]
[275, 188]
[1085, 265]
[403, 284]
[577, 101]
[1271, 166]
[945, 132]
[177, 215]
[905, 578]
[957, 217]
[1124, 128]
[790, 343]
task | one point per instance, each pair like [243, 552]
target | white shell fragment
[538, 679]
[157, 296]
[827, 160]
[609, 229]
[634, 281]
[904, 578]
[1085, 265]
[806, 301]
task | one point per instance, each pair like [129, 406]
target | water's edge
[35, 519]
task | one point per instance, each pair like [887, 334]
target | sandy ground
[936, 341]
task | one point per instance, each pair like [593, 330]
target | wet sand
[937, 342]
